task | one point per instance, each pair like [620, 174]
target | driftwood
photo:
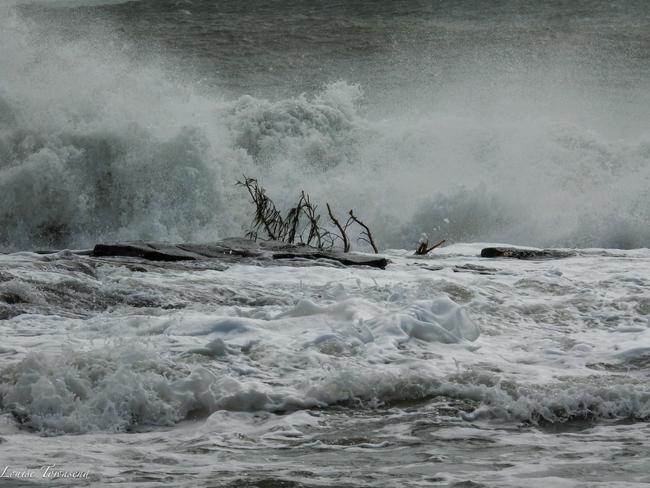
[423, 246]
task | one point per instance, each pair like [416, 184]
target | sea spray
[96, 145]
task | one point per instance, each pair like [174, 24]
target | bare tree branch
[266, 215]
[343, 236]
[367, 232]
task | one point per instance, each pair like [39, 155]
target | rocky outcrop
[152, 251]
[230, 250]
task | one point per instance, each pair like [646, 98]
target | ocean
[503, 122]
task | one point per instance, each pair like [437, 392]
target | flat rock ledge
[232, 249]
[516, 253]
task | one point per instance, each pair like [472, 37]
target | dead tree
[302, 222]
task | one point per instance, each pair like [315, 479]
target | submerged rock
[512, 252]
[22, 417]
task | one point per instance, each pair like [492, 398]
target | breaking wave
[96, 146]
[128, 387]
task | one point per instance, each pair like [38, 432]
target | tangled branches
[302, 223]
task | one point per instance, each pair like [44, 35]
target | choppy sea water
[445, 371]
[505, 121]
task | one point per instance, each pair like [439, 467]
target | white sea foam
[529, 343]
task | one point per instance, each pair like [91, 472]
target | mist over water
[134, 120]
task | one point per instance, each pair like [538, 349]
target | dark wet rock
[467, 484]
[12, 298]
[474, 268]
[265, 483]
[152, 251]
[433, 268]
[218, 250]
[342, 258]
[512, 252]
[142, 301]
[22, 417]
[7, 313]
[137, 269]
[70, 262]
[233, 249]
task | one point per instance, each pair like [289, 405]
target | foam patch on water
[433, 321]
[309, 356]
[101, 390]
[583, 400]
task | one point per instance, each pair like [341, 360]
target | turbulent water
[447, 371]
[503, 121]
[513, 121]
